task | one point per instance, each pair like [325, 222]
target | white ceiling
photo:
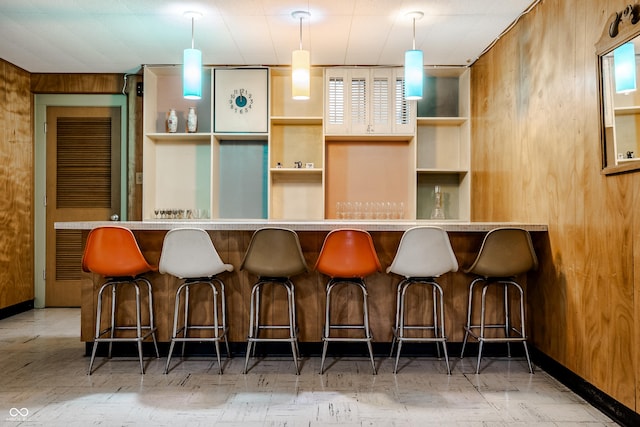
[93, 36]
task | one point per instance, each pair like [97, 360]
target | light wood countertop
[320, 225]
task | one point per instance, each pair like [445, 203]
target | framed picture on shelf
[241, 100]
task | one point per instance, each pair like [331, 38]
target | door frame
[41, 102]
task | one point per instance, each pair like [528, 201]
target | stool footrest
[422, 339]
[347, 339]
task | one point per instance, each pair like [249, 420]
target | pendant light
[413, 65]
[300, 65]
[192, 66]
[624, 65]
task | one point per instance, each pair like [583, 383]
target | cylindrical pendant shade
[413, 70]
[192, 74]
[300, 74]
[624, 64]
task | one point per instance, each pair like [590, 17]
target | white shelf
[157, 136]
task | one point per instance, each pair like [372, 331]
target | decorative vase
[172, 121]
[192, 120]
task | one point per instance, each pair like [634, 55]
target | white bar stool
[189, 254]
[424, 254]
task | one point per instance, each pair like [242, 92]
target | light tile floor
[43, 381]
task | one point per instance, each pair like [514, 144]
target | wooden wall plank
[16, 181]
[536, 157]
[69, 83]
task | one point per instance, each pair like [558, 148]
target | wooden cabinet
[356, 140]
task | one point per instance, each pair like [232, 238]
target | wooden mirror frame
[621, 27]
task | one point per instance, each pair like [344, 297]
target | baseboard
[16, 309]
[597, 398]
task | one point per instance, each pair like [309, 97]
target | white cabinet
[367, 101]
[359, 143]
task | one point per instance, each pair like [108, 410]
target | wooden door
[83, 184]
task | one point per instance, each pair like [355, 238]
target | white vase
[192, 120]
[172, 121]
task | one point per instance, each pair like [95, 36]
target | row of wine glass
[370, 210]
[176, 213]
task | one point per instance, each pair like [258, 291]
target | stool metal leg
[254, 320]
[467, 328]
[326, 335]
[219, 330]
[438, 326]
[506, 326]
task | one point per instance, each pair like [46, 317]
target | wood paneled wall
[536, 157]
[16, 184]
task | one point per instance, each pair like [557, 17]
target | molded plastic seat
[189, 254]
[424, 253]
[347, 257]
[274, 255]
[505, 253]
[113, 252]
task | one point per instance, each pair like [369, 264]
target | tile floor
[43, 381]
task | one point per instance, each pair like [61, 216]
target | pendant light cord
[192, 26]
[414, 33]
[300, 32]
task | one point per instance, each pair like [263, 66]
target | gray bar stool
[274, 255]
[189, 254]
[505, 253]
[424, 254]
[113, 252]
[347, 257]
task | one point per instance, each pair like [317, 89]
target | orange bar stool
[347, 257]
[113, 252]
[423, 255]
[274, 255]
[505, 253]
[189, 254]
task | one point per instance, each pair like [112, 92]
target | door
[83, 184]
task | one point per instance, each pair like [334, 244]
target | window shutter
[336, 100]
[358, 101]
[380, 101]
[403, 107]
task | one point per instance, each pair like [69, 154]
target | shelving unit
[177, 166]
[303, 165]
[443, 143]
[296, 137]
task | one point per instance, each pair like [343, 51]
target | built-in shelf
[296, 170]
[627, 111]
[397, 160]
[442, 121]
[157, 136]
[296, 120]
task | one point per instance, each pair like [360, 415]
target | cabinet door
[359, 105]
[336, 102]
[404, 112]
[380, 102]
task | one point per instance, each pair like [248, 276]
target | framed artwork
[241, 100]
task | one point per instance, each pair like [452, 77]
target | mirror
[619, 91]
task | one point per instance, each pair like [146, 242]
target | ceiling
[118, 36]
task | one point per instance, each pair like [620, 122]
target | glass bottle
[438, 211]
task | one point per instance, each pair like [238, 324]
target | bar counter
[231, 239]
